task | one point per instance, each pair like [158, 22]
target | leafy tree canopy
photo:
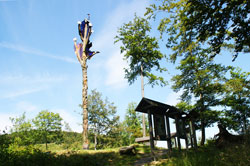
[237, 100]
[133, 123]
[103, 120]
[141, 51]
[48, 125]
[216, 23]
[22, 128]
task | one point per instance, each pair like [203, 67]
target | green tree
[201, 81]
[142, 53]
[48, 126]
[22, 128]
[216, 23]
[102, 118]
[132, 123]
[184, 106]
[70, 138]
[237, 100]
[220, 21]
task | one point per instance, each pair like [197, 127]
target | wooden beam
[151, 133]
[178, 132]
[194, 134]
[191, 134]
[168, 134]
[142, 139]
[175, 142]
[185, 132]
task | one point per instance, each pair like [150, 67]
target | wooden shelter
[159, 125]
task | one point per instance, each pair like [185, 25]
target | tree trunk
[203, 135]
[95, 137]
[95, 141]
[244, 124]
[142, 95]
[85, 105]
[46, 140]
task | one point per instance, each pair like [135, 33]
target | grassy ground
[232, 155]
[55, 156]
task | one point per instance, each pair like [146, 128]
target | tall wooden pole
[85, 106]
[142, 95]
[82, 58]
[83, 61]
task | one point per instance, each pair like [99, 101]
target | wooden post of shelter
[190, 133]
[185, 134]
[193, 133]
[168, 134]
[151, 132]
[178, 131]
[175, 142]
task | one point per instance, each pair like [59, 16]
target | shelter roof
[156, 107]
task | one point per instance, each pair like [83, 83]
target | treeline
[105, 128]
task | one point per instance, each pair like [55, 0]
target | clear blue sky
[38, 67]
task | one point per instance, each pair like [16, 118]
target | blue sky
[38, 67]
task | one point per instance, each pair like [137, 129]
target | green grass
[37, 155]
[232, 155]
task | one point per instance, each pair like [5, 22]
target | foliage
[184, 106]
[171, 24]
[29, 155]
[48, 125]
[141, 51]
[102, 118]
[220, 21]
[200, 78]
[196, 30]
[237, 100]
[70, 139]
[214, 23]
[210, 155]
[132, 123]
[22, 128]
[201, 82]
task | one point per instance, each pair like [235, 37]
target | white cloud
[19, 85]
[32, 51]
[173, 98]
[115, 67]
[104, 41]
[5, 122]
[26, 79]
[21, 92]
[24, 106]
[122, 14]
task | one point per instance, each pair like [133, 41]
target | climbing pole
[83, 53]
